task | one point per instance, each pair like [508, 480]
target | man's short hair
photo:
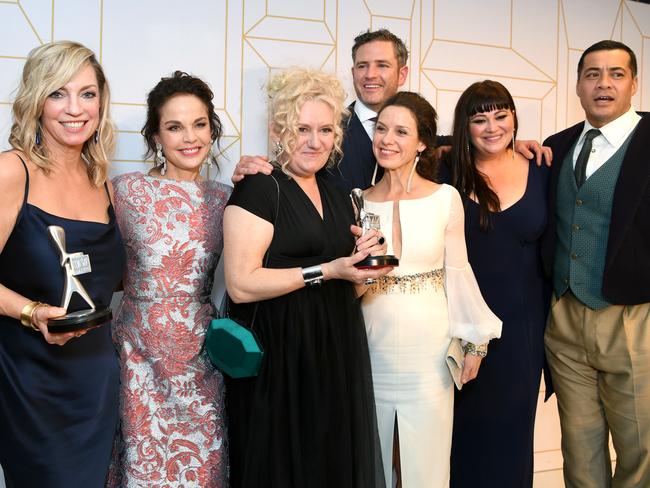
[401, 53]
[608, 45]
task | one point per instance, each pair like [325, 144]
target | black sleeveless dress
[308, 419]
[58, 404]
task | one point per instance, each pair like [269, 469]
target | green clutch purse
[233, 349]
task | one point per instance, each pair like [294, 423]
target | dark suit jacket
[626, 280]
[355, 169]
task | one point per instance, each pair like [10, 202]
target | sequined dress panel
[172, 421]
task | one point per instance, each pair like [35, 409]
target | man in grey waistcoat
[597, 249]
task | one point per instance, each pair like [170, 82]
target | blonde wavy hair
[47, 69]
[288, 91]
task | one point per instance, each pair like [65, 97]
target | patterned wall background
[531, 46]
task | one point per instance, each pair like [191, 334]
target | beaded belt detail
[412, 283]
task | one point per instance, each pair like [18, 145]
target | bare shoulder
[12, 192]
[12, 171]
[12, 180]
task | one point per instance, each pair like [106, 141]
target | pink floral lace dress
[172, 430]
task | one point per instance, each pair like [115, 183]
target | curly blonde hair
[288, 91]
[47, 69]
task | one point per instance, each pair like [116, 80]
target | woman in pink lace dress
[172, 427]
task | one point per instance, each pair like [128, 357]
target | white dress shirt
[611, 138]
[365, 114]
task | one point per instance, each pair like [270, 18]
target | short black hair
[401, 53]
[609, 45]
[179, 83]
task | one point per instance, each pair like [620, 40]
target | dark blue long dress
[58, 404]
[494, 415]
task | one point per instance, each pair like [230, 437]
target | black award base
[82, 319]
[374, 262]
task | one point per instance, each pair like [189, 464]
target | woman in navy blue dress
[58, 391]
[505, 215]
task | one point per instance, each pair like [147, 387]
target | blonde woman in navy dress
[58, 392]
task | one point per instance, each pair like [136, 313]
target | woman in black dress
[58, 392]
[308, 418]
[505, 215]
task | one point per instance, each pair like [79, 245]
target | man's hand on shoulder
[250, 165]
[530, 149]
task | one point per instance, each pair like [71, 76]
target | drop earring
[37, 138]
[415, 163]
[279, 148]
[209, 159]
[161, 162]
[96, 137]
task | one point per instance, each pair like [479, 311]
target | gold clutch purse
[455, 361]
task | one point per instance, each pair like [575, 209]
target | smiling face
[315, 138]
[396, 141]
[376, 73]
[71, 113]
[606, 86]
[491, 133]
[185, 135]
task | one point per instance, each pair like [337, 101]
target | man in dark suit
[597, 248]
[379, 69]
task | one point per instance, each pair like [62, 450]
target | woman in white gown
[413, 313]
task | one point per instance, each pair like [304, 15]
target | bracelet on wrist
[27, 314]
[312, 275]
[476, 350]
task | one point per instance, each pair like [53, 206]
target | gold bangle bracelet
[27, 314]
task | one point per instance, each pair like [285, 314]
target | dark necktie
[581, 163]
[373, 119]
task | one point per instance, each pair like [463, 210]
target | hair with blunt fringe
[480, 97]
[48, 68]
[287, 92]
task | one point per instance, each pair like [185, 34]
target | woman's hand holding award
[367, 221]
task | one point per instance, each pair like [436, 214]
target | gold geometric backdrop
[531, 46]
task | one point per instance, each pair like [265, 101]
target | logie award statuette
[366, 221]
[74, 264]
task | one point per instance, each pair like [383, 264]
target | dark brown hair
[482, 96]
[179, 83]
[425, 117]
[401, 53]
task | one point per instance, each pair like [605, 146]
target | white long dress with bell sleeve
[411, 315]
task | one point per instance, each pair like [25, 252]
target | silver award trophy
[74, 264]
[366, 221]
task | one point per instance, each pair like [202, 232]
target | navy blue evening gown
[58, 404]
[494, 415]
